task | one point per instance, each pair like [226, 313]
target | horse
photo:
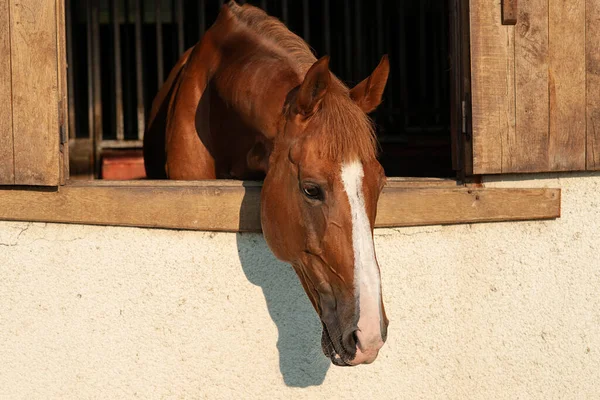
[251, 101]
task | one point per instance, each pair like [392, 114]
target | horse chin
[331, 352]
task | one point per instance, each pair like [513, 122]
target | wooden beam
[7, 161]
[528, 150]
[592, 36]
[566, 85]
[493, 88]
[234, 206]
[63, 100]
[118, 73]
[34, 63]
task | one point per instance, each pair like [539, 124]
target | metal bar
[359, 56]
[90, 77]
[347, 43]
[96, 85]
[118, 70]
[201, 17]
[438, 64]
[159, 44]
[284, 11]
[128, 52]
[403, 62]
[379, 19]
[422, 64]
[305, 21]
[327, 26]
[263, 4]
[70, 72]
[179, 17]
[139, 70]
[121, 144]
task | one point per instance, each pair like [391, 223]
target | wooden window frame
[234, 206]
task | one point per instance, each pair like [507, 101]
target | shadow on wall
[301, 360]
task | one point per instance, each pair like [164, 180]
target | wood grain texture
[236, 207]
[493, 90]
[528, 149]
[566, 85]
[593, 83]
[392, 182]
[35, 86]
[63, 101]
[7, 162]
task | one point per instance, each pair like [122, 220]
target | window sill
[234, 206]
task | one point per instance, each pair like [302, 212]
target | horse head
[319, 202]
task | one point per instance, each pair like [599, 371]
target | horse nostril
[349, 341]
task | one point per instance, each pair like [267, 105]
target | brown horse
[250, 101]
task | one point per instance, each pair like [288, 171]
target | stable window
[119, 52]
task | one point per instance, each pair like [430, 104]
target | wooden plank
[34, 87]
[63, 101]
[493, 87]
[81, 158]
[70, 70]
[97, 124]
[529, 149]
[7, 162]
[391, 183]
[566, 85]
[236, 208]
[116, 36]
[593, 83]
[139, 71]
[418, 206]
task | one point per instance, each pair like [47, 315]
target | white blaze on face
[367, 282]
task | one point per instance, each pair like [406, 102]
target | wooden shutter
[536, 86]
[31, 87]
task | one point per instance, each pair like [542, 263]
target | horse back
[155, 157]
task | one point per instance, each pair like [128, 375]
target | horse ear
[314, 87]
[368, 93]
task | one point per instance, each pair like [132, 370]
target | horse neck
[256, 88]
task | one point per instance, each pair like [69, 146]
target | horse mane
[346, 130]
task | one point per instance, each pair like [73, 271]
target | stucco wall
[505, 310]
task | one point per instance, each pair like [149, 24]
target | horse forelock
[340, 130]
[344, 131]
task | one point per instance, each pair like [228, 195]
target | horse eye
[312, 191]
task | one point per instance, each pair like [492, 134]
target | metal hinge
[464, 122]
[464, 116]
[63, 134]
[61, 123]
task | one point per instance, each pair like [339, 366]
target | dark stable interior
[413, 122]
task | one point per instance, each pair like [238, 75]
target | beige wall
[505, 310]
